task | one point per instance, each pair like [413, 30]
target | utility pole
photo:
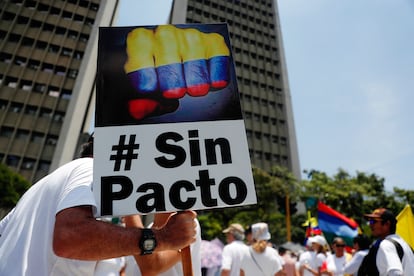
[287, 208]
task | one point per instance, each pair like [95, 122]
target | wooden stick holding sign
[186, 261]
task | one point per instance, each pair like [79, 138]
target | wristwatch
[147, 243]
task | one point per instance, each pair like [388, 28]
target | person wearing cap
[53, 231]
[233, 250]
[319, 244]
[390, 255]
[261, 259]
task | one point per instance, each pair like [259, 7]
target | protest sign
[169, 132]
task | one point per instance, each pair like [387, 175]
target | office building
[47, 72]
[262, 78]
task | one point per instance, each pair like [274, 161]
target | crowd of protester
[251, 252]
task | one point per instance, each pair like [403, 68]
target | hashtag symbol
[124, 152]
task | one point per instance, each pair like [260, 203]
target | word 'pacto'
[182, 194]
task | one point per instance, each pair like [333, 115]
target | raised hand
[166, 63]
[179, 230]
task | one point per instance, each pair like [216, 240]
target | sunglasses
[340, 245]
[373, 221]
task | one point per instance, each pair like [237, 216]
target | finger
[218, 55]
[193, 51]
[140, 62]
[168, 63]
[141, 108]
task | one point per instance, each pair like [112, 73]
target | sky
[351, 75]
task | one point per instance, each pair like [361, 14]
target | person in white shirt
[319, 245]
[361, 246]
[53, 231]
[307, 259]
[335, 263]
[260, 258]
[233, 250]
[384, 256]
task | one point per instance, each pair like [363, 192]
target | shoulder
[239, 245]
[85, 161]
[330, 257]
[404, 245]
[322, 256]
[305, 255]
[386, 245]
[392, 245]
[273, 252]
[361, 253]
[391, 240]
[77, 165]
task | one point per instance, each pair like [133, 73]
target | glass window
[37, 137]
[39, 87]
[28, 163]
[13, 160]
[6, 132]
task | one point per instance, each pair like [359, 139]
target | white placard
[170, 167]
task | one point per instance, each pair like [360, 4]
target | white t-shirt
[110, 267]
[336, 264]
[131, 267]
[231, 257]
[27, 234]
[320, 259]
[266, 263]
[388, 260]
[353, 265]
[308, 257]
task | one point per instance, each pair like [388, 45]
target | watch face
[149, 244]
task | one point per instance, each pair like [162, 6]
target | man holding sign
[53, 231]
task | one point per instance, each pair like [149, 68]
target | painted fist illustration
[165, 64]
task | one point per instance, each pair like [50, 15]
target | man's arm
[78, 235]
[156, 262]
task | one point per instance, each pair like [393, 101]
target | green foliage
[268, 188]
[12, 186]
[353, 196]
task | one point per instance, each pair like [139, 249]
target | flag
[334, 224]
[312, 227]
[405, 225]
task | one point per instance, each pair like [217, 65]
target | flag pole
[287, 207]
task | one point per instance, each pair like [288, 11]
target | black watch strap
[148, 242]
